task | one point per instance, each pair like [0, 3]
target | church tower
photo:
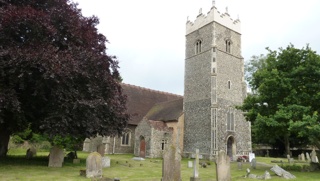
[214, 86]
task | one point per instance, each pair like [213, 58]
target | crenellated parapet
[213, 16]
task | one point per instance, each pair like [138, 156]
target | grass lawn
[16, 167]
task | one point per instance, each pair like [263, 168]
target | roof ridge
[152, 90]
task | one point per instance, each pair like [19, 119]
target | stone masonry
[214, 85]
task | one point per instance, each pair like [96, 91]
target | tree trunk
[287, 145]
[4, 141]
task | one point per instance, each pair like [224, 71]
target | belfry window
[228, 46]
[198, 47]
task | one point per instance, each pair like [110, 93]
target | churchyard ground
[17, 167]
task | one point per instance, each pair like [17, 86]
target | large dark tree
[287, 97]
[55, 74]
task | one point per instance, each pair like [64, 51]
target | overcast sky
[148, 36]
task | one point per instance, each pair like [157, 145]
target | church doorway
[231, 147]
[142, 147]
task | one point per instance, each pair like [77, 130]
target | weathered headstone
[314, 156]
[288, 157]
[223, 167]
[254, 163]
[105, 162]
[31, 152]
[267, 155]
[266, 175]
[308, 157]
[190, 164]
[94, 165]
[303, 158]
[101, 149]
[195, 176]
[56, 157]
[281, 172]
[86, 145]
[171, 164]
[299, 157]
[239, 165]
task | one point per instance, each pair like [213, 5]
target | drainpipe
[114, 144]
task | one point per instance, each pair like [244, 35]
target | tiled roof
[140, 100]
[166, 111]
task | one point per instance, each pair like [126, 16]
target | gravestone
[239, 165]
[223, 167]
[171, 164]
[101, 149]
[105, 162]
[190, 164]
[308, 157]
[288, 157]
[299, 157]
[94, 165]
[266, 175]
[56, 157]
[267, 155]
[253, 163]
[251, 156]
[282, 173]
[303, 158]
[314, 156]
[86, 145]
[195, 176]
[31, 152]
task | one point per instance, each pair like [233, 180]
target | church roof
[140, 100]
[166, 111]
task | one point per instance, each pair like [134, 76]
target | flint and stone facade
[214, 86]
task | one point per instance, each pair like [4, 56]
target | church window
[163, 144]
[198, 47]
[230, 120]
[125, 139]
[228, 46]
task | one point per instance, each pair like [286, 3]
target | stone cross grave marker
[171, 170]
[56, 157]
[94, 165]
[195, 176]
[223, 167]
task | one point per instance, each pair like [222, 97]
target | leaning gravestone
[56, 157]
[223, 167]
[314, 156]
[282, 173]
[171, 164]
[94, 165]
[105, 162]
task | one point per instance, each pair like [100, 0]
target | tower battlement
[213, 16]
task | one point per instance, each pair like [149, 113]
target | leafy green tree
[287, 96]
[56, 76]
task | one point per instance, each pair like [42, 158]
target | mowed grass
[17, 167]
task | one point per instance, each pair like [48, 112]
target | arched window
[198, 46]
[125, 138]
[228, 46]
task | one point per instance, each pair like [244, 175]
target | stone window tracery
[228, 46]
[125, 139]
[198, 47]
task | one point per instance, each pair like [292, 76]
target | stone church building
[206, 117]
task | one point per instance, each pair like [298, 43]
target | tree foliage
[289, 85]
[55, 73]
